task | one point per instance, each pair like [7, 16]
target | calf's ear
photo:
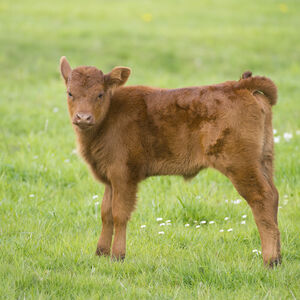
[118, 76]
[65, 68]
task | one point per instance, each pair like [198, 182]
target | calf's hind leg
[262, 197]
[267, 167]
[104, 243]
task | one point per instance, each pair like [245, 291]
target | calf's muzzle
[83, 119]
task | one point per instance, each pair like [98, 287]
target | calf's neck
[128, 133]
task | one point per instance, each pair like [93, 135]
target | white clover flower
[254, 250]
[244, 216]
[221, 230]
[229, 230]
[159, 219]
[276, 139]
[274, 131]
[95, 197]
[168, 224]
[143, 226]
[168, 221]
[203, 222]
[226, 201]
[187, 225]
[211, 222]
[162, 224]
[237, 201]
[31, 195]
[161, 232]
[195, 221]
[198, 226]
[243, 222]
[226, 218]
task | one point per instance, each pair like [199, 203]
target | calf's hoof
[102, 251]
[118, 257]
[271, 263]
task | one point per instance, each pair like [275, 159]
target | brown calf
[127, 134]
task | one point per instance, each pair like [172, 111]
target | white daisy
[287, 136]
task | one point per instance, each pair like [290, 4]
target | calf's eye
[100, 95]
[70, 95]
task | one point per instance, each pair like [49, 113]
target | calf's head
[89, 92]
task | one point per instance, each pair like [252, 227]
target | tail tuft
[258, 84]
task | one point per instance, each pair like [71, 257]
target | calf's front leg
[123, 202]
[104, 243]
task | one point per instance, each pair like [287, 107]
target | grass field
[49, 203]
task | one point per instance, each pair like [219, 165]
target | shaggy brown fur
[126, 134]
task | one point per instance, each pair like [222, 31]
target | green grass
[47, 241]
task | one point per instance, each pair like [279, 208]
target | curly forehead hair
[87, 76]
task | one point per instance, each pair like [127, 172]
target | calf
[126, 134]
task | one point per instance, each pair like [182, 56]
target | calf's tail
[259, 84]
